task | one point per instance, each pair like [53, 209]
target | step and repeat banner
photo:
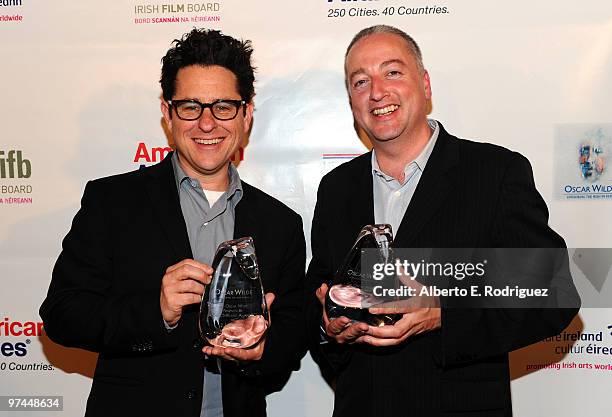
[80, 100]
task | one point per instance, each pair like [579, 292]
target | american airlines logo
[14, 328]
[154, 154]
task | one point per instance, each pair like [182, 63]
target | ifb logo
[13, 163]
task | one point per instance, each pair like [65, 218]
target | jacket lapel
[245, 222]
[361, 198]
[433, 188]
[161, 188]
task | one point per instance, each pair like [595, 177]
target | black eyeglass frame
[237, 103]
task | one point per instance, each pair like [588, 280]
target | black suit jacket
[104, 297]
[471, 195]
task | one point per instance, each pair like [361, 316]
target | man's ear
[248, 116]
[166, 112]
[427, 85]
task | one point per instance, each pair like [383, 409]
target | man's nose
[207, 122]
[377, 89]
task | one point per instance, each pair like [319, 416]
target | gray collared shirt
[207, 227]
[391, 198]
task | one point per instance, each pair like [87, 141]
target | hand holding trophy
[234, 312]
[350, 293]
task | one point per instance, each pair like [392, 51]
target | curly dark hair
[209, 47]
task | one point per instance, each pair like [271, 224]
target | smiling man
[436, 191]
[136, 261]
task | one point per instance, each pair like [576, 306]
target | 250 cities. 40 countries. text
[337, 13]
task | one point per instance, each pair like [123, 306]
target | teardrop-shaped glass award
[351, 291]
[233, 312]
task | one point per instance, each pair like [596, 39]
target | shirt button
[397, 193]
[191, 394]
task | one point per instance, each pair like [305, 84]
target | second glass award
[233, 312]
[350, 293]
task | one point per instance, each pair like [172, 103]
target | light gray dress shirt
[391, 198]
[207, 227]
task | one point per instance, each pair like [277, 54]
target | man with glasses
[136, 261]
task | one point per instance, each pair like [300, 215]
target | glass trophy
[233, 312]
[351, 290]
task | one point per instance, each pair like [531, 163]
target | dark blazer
[104, 297]
[471, 195]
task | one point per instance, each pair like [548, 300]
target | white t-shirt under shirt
[212, 196]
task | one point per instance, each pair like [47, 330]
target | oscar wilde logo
[581, 161]
[14, 165]
[591, 160]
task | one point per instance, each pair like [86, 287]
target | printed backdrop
[80, 100]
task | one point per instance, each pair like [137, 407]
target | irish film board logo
[581, 158]
[15, 172]
[162, 11]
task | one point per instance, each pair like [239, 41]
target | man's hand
[183, 284]
[419, 314]
[341, 329]
[415, 320]
[237, 354]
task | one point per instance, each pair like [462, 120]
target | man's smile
[383, 111]
[213, 141]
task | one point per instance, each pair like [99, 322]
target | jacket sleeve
[469, 334]
[285, 343]
[330, 356]
[82, 309]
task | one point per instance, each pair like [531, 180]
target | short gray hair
[412, 45]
